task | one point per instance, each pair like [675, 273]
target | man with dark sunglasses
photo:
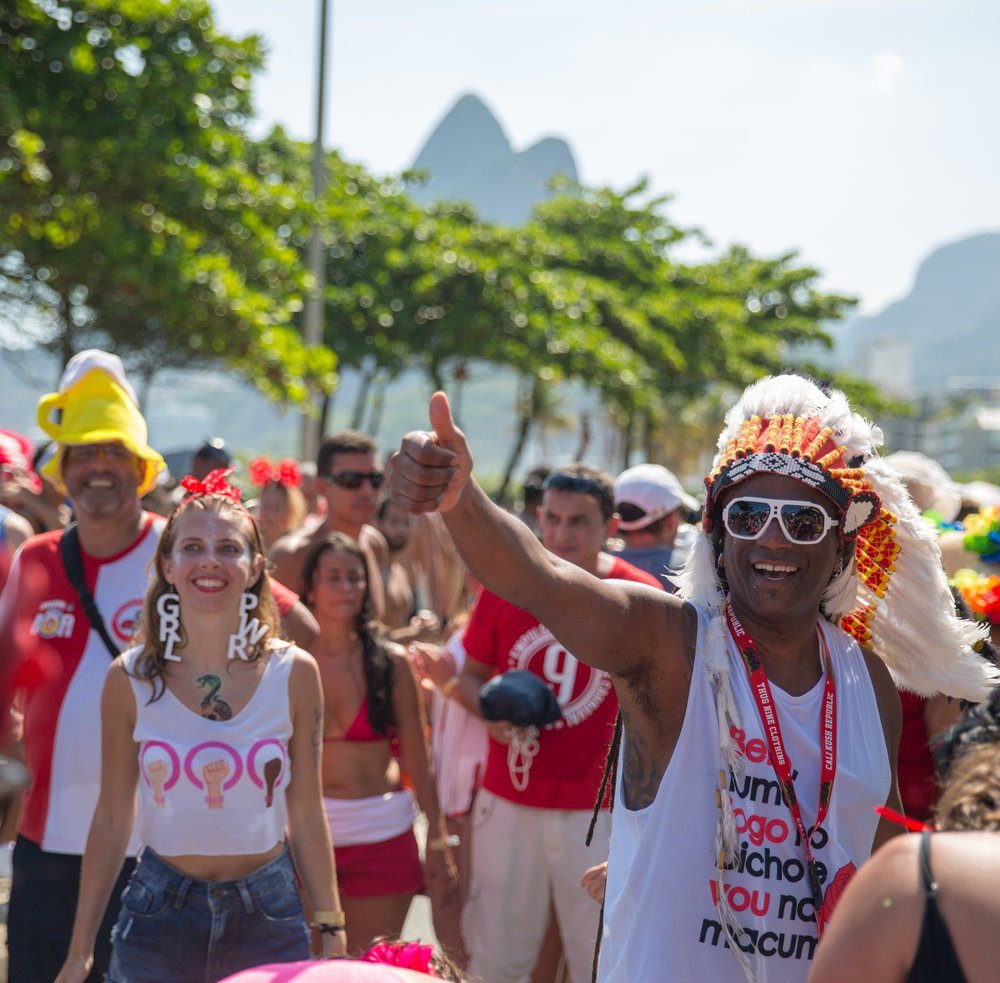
[761, 723]
[348, 477]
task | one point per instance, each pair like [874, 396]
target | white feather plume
[698, 580]
[781, 394]
[915, 629]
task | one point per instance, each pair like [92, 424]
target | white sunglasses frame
[776, 504]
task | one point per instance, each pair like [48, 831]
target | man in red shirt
[530, 818]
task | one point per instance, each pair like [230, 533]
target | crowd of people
[650, 737]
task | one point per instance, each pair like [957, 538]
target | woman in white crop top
[213, 727]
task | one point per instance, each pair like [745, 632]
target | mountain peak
[468, 133]
[469, 158]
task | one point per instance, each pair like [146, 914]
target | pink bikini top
[361, 728]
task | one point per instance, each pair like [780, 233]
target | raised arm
[433, 472]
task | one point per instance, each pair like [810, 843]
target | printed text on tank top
[761, 692]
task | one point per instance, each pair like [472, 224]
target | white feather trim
[841, 594]
[915, 630]
[797, 395]
[698, 580]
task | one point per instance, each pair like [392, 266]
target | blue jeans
[175, 929]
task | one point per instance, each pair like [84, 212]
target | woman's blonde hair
[971, 797]
[150, 664]
[297, 508]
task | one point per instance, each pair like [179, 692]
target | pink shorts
[371, 870]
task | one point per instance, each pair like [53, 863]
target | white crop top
[214, 787]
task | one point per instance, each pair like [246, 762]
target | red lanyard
[780, 761]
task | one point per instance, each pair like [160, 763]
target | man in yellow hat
[104, 464]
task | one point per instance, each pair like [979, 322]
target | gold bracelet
[335, 919]
[449, 686]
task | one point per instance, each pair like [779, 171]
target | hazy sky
[862, 133]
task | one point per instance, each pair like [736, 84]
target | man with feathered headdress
[760, 714]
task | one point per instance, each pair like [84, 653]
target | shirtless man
[349, 476]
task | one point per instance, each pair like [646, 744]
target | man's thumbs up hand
[430, 470]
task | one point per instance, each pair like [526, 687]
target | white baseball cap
[654, 490]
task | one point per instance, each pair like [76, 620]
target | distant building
[887, 362]
[959, 427]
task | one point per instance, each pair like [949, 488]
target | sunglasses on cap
[354, 479]
[801, 522]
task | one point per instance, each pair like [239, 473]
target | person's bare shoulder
[873, 931]
[287, 555]
[656, 683]
[17, 529]
[293, 542]
[375, 543]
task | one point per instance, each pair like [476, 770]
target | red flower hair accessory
[215, 483]
[263, 471]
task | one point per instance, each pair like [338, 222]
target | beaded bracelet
[332, 918]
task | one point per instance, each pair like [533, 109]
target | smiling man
[760, 719]
[104, 464]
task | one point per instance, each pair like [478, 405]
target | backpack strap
[69, 548]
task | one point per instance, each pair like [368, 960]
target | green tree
[134, 210]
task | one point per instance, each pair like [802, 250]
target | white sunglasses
[801, 522]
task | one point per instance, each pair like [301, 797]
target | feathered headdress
[893, 595]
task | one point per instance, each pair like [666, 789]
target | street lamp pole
[312, 324]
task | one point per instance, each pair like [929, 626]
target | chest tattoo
[213, 707]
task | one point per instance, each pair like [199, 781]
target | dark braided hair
[375, 660]
[610, 775]
[979, 723]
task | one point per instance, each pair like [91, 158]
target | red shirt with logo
[63, 665]
[566, 772]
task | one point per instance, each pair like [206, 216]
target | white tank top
[660, 919]
[214, 787]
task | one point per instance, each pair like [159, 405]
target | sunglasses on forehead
[582, 486]
[573, 483]
[354, 479]
[801, 522]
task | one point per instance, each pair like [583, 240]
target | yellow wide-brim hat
[96, 409]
